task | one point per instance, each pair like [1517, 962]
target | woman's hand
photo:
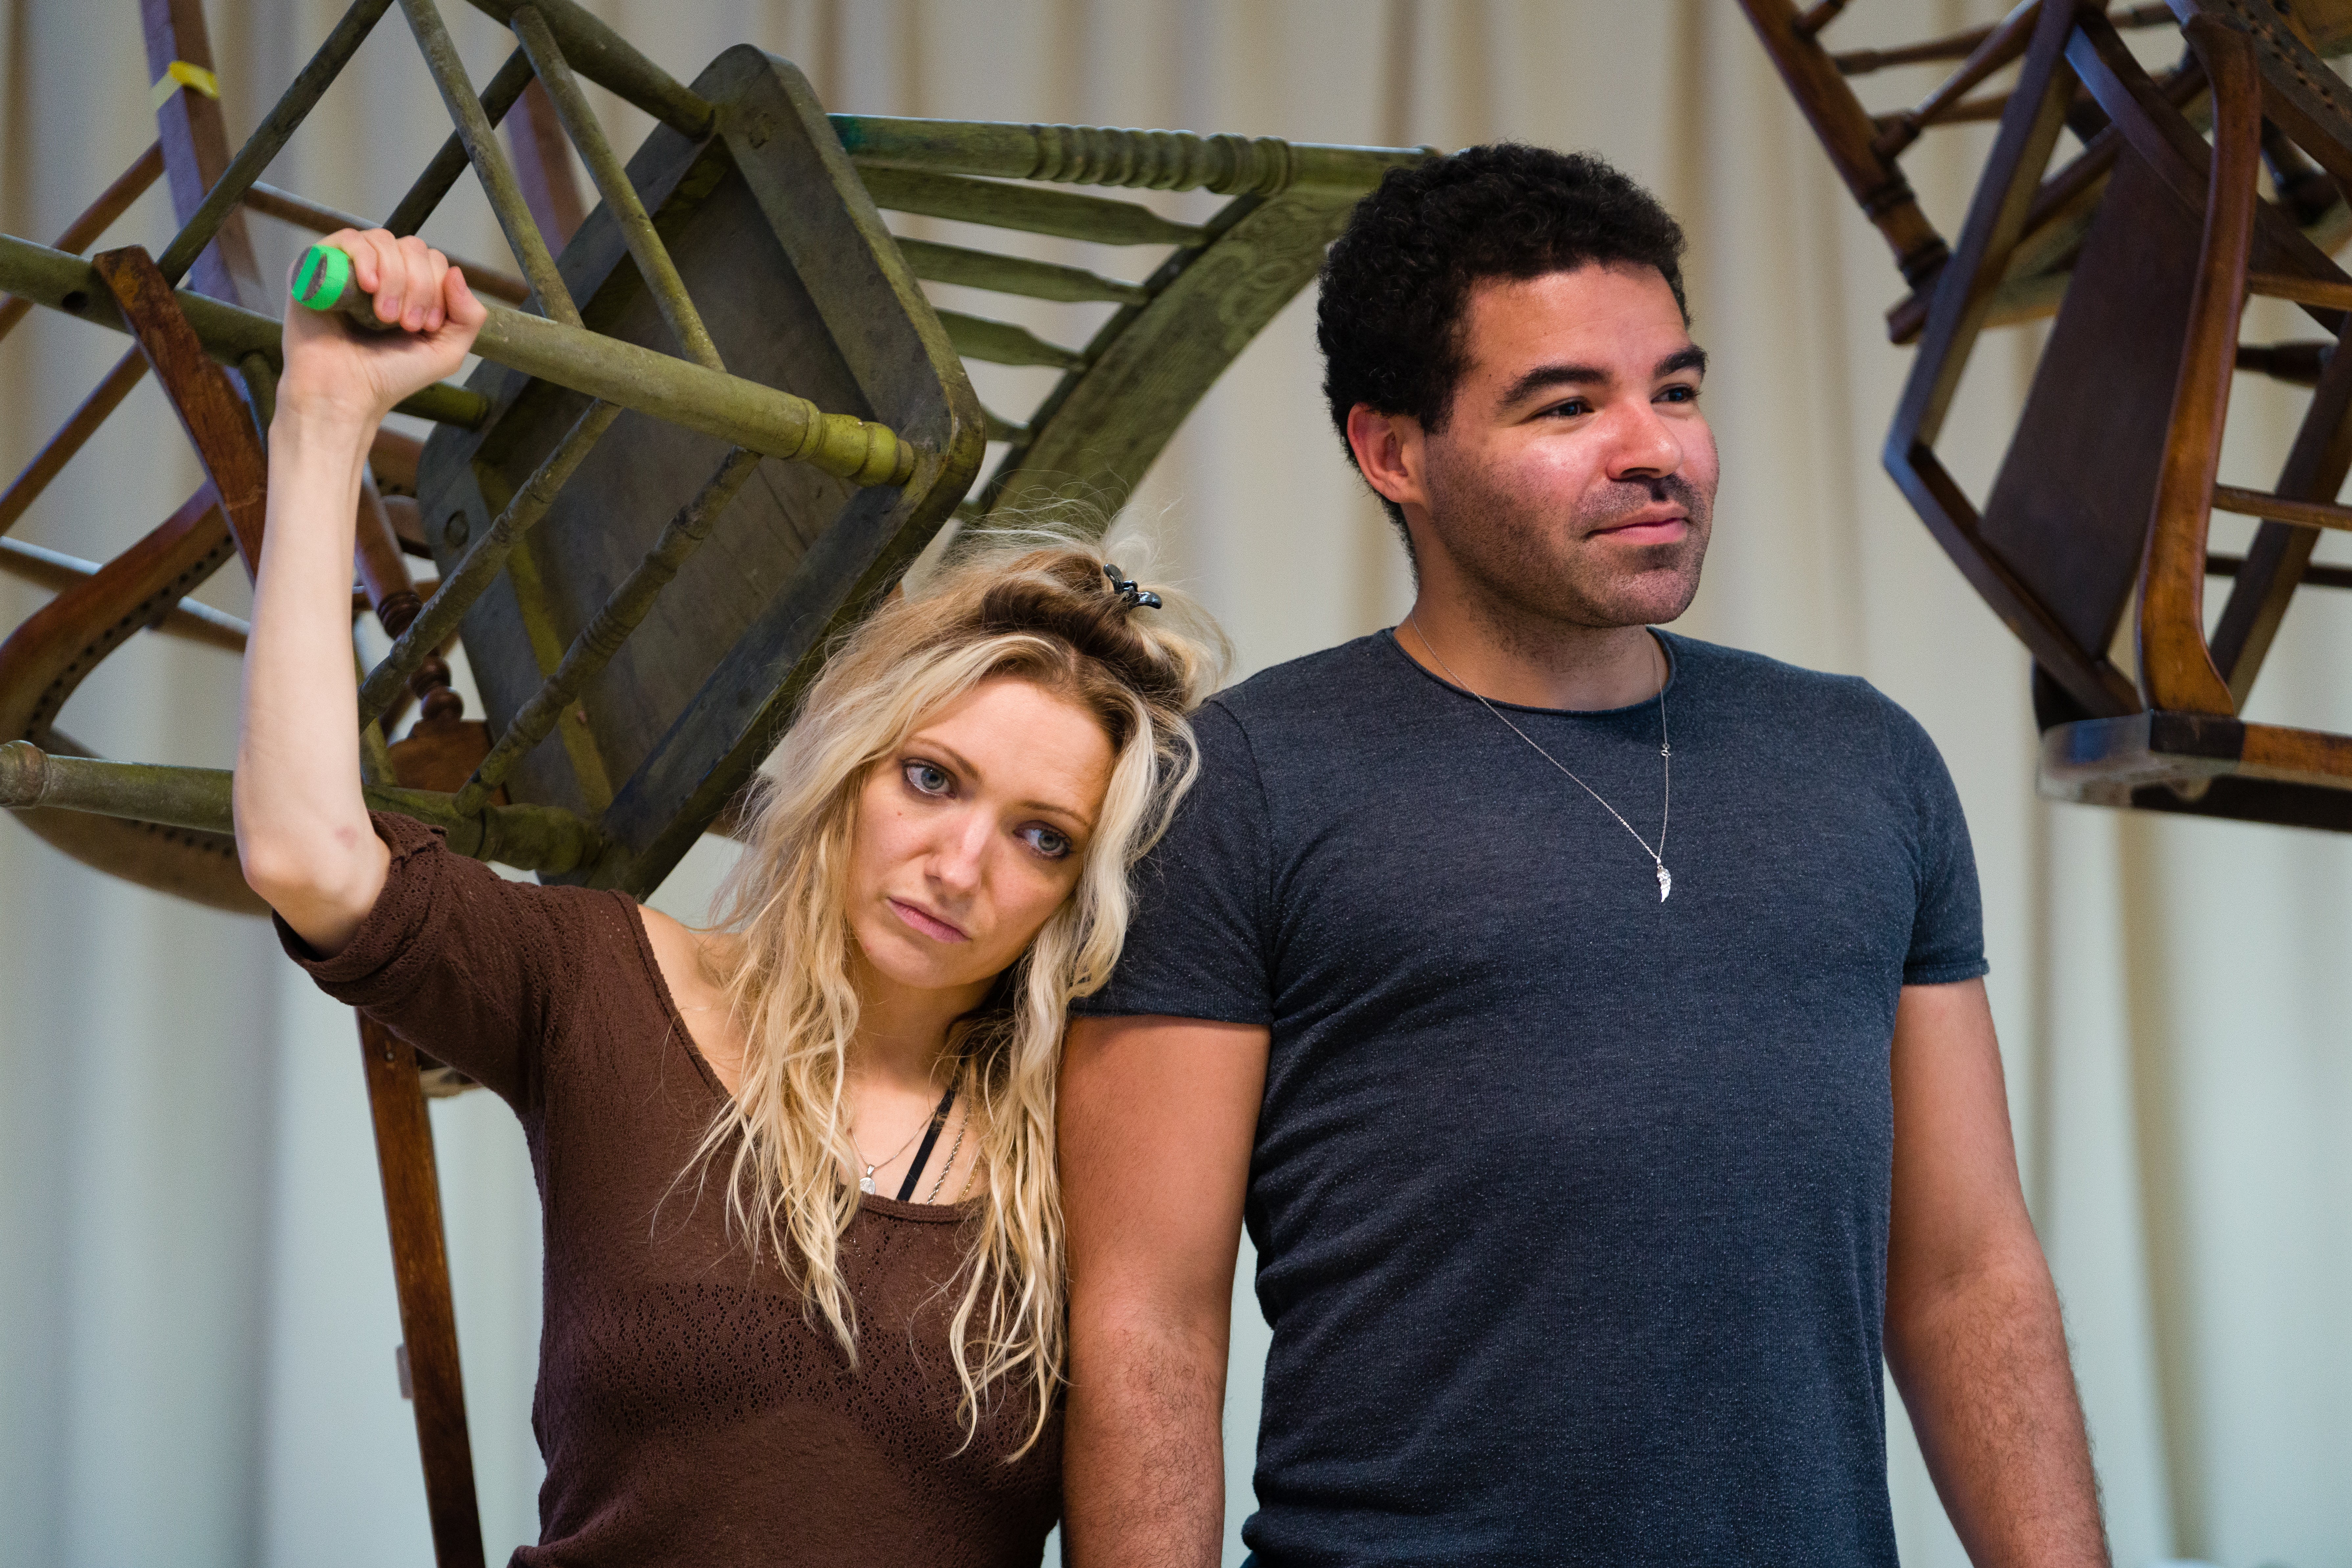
[336, 372]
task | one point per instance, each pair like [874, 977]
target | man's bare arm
[1973, 1335]
[1157, 1120]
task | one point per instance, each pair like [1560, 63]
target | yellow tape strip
[180, 74]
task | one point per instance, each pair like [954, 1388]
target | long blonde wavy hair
[1038, 608]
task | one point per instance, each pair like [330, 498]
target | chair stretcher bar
[229, 332]
[532, 837]
[775, 424]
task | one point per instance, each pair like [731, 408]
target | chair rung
[1015, 274]
[2297, 362]
[544, 838]
[320, 218]
[189, 618]
[2314, 576]
[2325, 294]
[229, 332]
[1001, 342]
[1003, 204]
[2278, 508]
[1815, 17]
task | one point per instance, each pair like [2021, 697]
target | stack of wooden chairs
[717, 417]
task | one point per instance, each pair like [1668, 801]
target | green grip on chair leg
[323, 281]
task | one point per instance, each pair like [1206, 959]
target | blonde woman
[805, 1257]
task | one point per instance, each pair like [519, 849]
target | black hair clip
[1127, 589]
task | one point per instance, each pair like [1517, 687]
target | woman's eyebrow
[962, 764]
[1058, 809]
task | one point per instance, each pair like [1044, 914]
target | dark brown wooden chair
[2146, 246]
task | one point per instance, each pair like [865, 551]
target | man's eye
[928, 778]
[1679, 395]
[1573, 408]
[1051, 844]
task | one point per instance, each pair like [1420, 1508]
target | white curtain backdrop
[196, 1313]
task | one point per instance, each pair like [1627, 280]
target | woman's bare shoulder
[694, 962]
[694, 967]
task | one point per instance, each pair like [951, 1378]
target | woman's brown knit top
[687, 1411]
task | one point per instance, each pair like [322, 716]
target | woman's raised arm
[302, 831]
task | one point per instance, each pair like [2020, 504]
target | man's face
[1574, 479]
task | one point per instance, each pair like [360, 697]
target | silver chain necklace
[963, 1125]
[1665, 751]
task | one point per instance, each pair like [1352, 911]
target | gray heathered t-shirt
[1570, 1205]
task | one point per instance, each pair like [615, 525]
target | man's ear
[1389, 450]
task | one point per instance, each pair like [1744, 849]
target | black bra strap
[931, 1138]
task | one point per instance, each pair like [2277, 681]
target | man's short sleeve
[1199, 942]
[1948, 930]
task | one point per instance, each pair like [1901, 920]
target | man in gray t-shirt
[1588, 1021]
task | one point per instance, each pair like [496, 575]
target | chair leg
[219, 424]
[2177, 670]
[428, 1317]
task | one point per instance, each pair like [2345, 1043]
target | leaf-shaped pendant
[1665, 881]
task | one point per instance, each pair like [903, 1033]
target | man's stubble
[1530, 574]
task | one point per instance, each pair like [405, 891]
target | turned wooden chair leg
[428, 1317]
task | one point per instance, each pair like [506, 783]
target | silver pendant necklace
[1666, 753]
[865, 1178]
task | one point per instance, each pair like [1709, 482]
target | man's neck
[1550, 666]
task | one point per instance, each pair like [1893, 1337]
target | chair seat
[2204, 765]
[802, 289]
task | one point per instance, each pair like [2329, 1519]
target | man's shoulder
[1821, 714]
[1774, 687]
[1331, 687]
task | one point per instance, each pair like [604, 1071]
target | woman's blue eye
[928, 778]
[1051, 844]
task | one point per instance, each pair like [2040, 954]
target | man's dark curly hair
[1396, 284]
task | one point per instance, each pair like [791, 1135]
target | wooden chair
[795, 425]
[2145, 245]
